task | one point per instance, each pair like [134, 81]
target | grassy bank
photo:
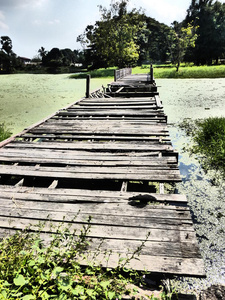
[164, 71]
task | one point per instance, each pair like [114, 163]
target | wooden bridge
[110, 157]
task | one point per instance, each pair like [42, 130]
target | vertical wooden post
[151, 74]
[114, 75]
[88, 86]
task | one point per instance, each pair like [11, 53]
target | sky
[32, 24]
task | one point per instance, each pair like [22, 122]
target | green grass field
[184, 71]
[164, 71]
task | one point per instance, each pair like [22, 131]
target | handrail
[118, 74]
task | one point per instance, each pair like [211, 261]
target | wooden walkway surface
[107, 158]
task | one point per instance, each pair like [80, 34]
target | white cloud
[39, 22]
[3, 25]
[165, 11]
[22, 3]
[54, 22]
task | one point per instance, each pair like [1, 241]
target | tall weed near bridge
[4, 132]
[31, 270]
[209, 141]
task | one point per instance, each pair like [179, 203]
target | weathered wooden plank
[95, 137]
[94, 155]
[121, 122]
[63, 196]
[106, 194]
[93, 173]
[96, 219]
[114, 124]
[144, 157]
[117, 103]
[120, 100]
[93, 146]
[54, 159]
[166, 249]
[156, 264]
[152, 120]
[109, 208]
[103, 231]
[109, 131]
[136, 107]
[111, 112]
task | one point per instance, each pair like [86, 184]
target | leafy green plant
[4, 132]
[32, 269]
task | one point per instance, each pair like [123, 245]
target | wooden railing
[118, 74]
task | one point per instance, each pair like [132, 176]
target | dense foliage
[208, 17]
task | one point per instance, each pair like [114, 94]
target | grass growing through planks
[209, 141]
[31, 270]
[4, 132]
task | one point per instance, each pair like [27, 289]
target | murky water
[26, 99]
[199, 99]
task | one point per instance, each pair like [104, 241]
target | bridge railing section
[118, 74]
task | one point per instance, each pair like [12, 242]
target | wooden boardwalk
[107, 158]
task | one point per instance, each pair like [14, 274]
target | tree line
[121, 37]
[53, 61]
[125, 37]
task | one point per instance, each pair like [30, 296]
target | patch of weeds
[32, 267]
[209, 141]
[4, 132]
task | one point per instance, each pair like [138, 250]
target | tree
[209, 17]
[42, 52]
[154, 46]
[113, 40]
[179, 39]
[8, 58]
[6, 43]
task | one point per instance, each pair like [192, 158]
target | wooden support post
[161, 188]
[53, 185]
[151, 74]
[20, 183]
[115, 75]
[88, 79]
[124, 187]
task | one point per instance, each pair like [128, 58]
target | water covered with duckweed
[26, 99]
[193, 99]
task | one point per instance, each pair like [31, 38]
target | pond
[26, 99]
[201, 98]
